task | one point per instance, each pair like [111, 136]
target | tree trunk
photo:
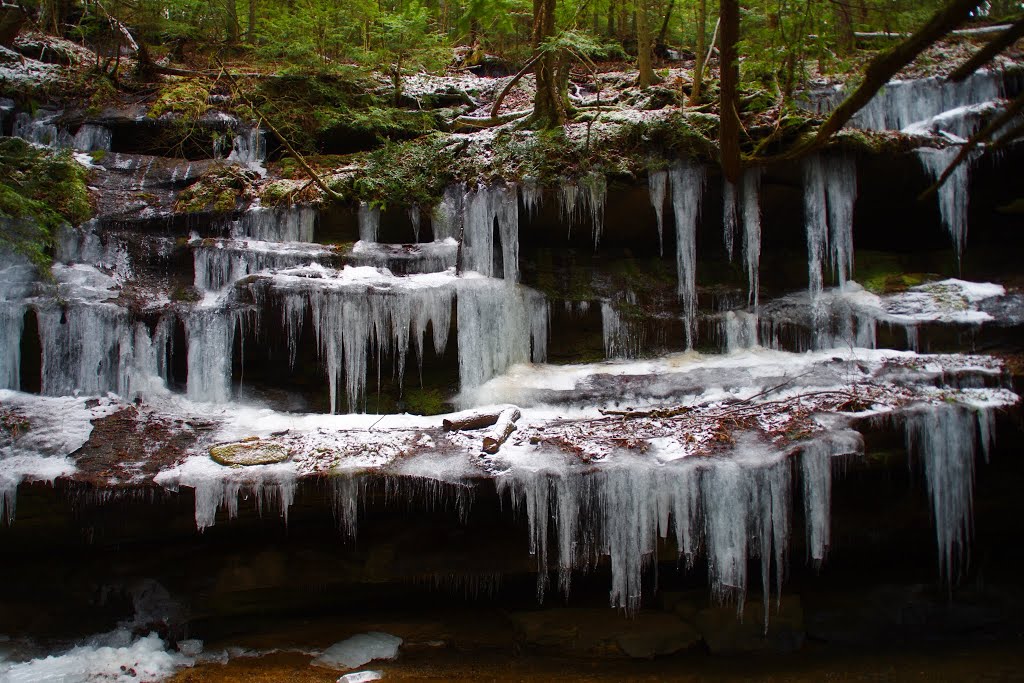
[728, 108]
[231, 21]
[549, 109]
[644, 45]
[844, 26]
[250, 33]
[698, 65]
[663, 33]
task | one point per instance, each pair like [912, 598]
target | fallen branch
[468, 124]
[1011, 35]
[496, 107]
[655, 413]
[503, 429]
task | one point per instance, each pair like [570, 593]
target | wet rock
[604, 633]
[252, 451]
[725, 633]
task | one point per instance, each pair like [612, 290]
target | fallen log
[471, 422]
[502, 430]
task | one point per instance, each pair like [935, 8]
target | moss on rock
[251, 451]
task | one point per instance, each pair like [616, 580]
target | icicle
[568, 193]
[620, 510]
[752, 233]
[498, 326]
[531, 194]
[12, 319]
[92, 138]
[816, 463]
[739, 328]
[621, 339]
[447, 216]
[954, 194]
[82, 348]
[594, 195]
[289, 224]
[943, 437]
[687, 190]
[841, 189]
[414, 220]
[249, 149]
[657, 182]
[345, 490]
[484, 206]
[830, 190]
[272, 486]
[728, 216]
[211, 337]
[369, 222]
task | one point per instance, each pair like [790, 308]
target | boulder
[726, 633]
[252, 451]
[604, 632]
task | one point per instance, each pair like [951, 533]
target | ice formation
[902, 103]
[285, 224]
[424, 257]
[249, 148]
[217, 487]
[498, 326]
[734, 507]
[211, 339]
[657, 183]
[817, 466]
[687, 191]
[585, 198]
[752, 233]
[623, 337]
[358, 650]
[369, 222]
[830, 190]
[446, 219]
[944, 437]
[485, 206]
[953, 195]
[219, 263]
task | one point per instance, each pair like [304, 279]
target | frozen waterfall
[687, 192]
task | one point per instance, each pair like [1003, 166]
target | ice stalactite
[953, 194]
[83, 348]
[729, 219]
[817, 465]
[585, 197]
[357, 322]
[734, 508]
[623, 338]
[249, 149]
[532, 195]
[425, 257]
[752, 233]
[346, 489]
[85, 245]
[414, 220]
[498, 326]
[287, 224]
[902, 103]
[739, 330]
[369, 222]
[484, 206]
[944, 437]
[211, 338]
[446, 219]
[12, 323]
[95, 349]
[218, 488]
[219, 263]
[41, 129]
[830, 190]
[92, 138]
[687, 191]
[657, 183]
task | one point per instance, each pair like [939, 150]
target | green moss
[185, 293]
[39, 191]
[189, 98]
[221, 189]
[426, 402]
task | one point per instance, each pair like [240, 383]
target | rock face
[718, 390]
